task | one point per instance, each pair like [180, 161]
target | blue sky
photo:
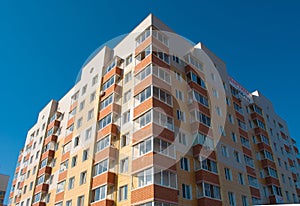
[44, 43]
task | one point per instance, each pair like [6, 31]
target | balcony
[45, 170]
[272, 181]
[274, 199]
[209, 201]
[110, 152]
[263, 146]
[267, 163]
[104, 178]
[51, 138]
[41, 187]
[207, 176]
[199, 149]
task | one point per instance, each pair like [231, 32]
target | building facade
[157, 120]
[3, 186]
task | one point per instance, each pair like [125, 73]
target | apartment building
[3, 186]
[156, 120]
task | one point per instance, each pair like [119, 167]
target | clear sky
[44, 43]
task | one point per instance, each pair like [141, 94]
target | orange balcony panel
[44, 170]
[24, 170]
[296, 150]
[11, 194]
[259, 131]
[255, 115]
[142, 194]
[247, 151]
[51, 138]
[27, 156]
[236, 100]
[157, 61]
[14, 182]
[71, 121]
[155, 130]
[294, 176]
[109, 129]
[18, 199]
[200, 107]
[30, 143]
[65, 156]
[143, 45]
[115, 70]
[267, 163]
[17, 169]
[68, 138]
[39, 204]
[143, 84]
[239, 116]
[21, 184]
[20, 158]
[104, 178]
[287, 148]
[263, 146]
[202, 128]
[209, 201]
[141, 65]
[206, 176]
[198, 88]
[109, 109]
[198, 149]
[113, 88]
[291, 163]
[62, 176]
[272, 181]
[75, 104]
[298, 191]
[243, 132]
[105, 202]
[52, 124]
[41, 187]
[49, 153]
[164, 193]
[254, 192]
[109, 152]
[153, 158]
[250, 171]
[59, 197]
[283, 135]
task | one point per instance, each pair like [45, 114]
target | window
[215, 93]
[162, 74]
[126, 117]
[101, 167]
[123, 193]
[179, 95]
[69, 203]
[71, 183]
[107, 101]
[40, 180]
[182, 138]
[128, 60]
[143, 95]
[144, 73]
[63, 166]
[143, 36]
[93, 96]
[81, 105]
[191, 76]
[143, 147]
[127, 96]
[162, 95]
[231, 198]
[233, 137]
[82, 178]
[124, 165]
[204, 140]
[180, 115]
[74, 161]
[90, 114]
[145, 177]
[79, 122]
[105, 121]
[88, 133]
[208, 190]
[231, 119]
[30, 186]
[238, 108]
[85, 154]
[125, 140]
[99, 193]
[80, 201]
[110, 66]
[37, 197]
[224, 151]
[218, 111]
[200, 117]
[144, 119]
[59, 204]
[186, 191]
[95, 80]
[76, 141]
[165, 178]
[60, 186]
[245, 142]
[249, 161]
[83, 91]
[103, 143]
[185, 163]
[128, 77]
[228, 175]
[241, 178]
[108, 83]
[252, 181]
[208, 164]
[236, 155]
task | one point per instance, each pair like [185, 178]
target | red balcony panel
[105, 202]
[51, 138]
[41, 187]
[243, 133]
[287, 148]
[11, 194]
[113, 88]
[291, 163]
[143, 107]
[283, 135]
[52, 124]
[104, 178]
[259, 131]
[250, 171]
[298, 191]
[165, 194]
[14, 182]
[254, 192]
[68, 138]
[20, 158]
[39, 204]
[209, 202]
[30, 143]
[206, 176]
[198, 149]
[18, 199]
[272, 181]
[247, 151]
[109, 129]
[24, 170]
[27, 157]
[200, 107]
[296, 150]
[198, 88]
[294, 176]
[44, 170]
[298, 160]
[59, 197]
[142, 194]
[157, 61]
[115, 70]
[71, 121]
[202, 128]
[65, 156]
[17, 169]
[62, 176]
[255, 115]
[142, 133]
[109, 109]
[21, 184]
[236, 100]
[268, 163]
[143, 45]
[47, 154]
[239, 116]
[275, 199]
[263, 146]
[75, 104]
[109, 152]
